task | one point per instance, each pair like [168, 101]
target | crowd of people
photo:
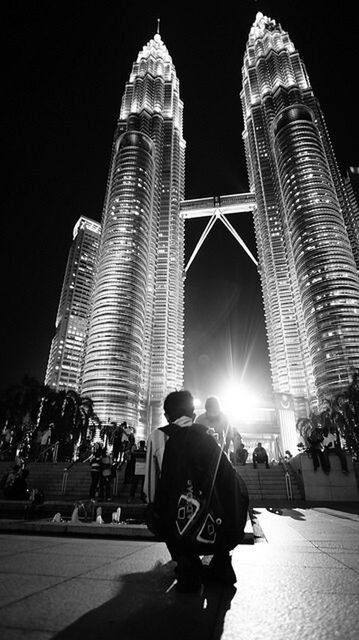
[105, 462]
[322, 439]
[323, 435]
[116, 448]
[33, 443]
[104, 465]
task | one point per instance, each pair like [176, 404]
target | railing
[216, 201]
[55, 447]
[288, 480]
[65, 475]
[288, 486]
[117, 481]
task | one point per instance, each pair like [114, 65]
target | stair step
[262, 483]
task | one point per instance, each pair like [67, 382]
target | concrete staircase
[49, 478]
[263, 484]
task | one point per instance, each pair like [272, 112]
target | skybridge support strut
[218, 208]
[201, 241]
[237, 237]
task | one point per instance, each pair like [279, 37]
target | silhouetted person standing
[183, 460]
[217, 420]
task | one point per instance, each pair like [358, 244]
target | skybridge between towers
[217, 208]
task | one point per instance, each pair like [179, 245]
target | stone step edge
[93, 529]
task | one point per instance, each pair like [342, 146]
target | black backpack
[202, 502]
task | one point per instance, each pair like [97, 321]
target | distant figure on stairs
[45, 442]
[260, 455]
[117, 443]
[128, 451]
[215, 418]
[106, 477]
[138, 478]
[240, 455]
[95, 465]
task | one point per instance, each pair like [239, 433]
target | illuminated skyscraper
[309, 278]
[134, 354]
[67, 347]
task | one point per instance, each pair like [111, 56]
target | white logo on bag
[188, 507]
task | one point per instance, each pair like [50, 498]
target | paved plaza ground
[300, 580]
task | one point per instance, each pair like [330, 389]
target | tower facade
[309, 278]
[351, 181]
[67, 347]
[134, 353]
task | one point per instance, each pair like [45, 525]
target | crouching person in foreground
[198, 504]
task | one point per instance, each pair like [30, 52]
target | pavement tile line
[112, 561]
[49, 575]
[81, 574]
[36, 593]
[22, 551]
[330, 555]
[338, 514]
[41, 634]
[331, 520]
[345, 566]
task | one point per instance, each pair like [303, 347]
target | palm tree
[87, 414]
[20, 404]
[79, 418]
[304, 427]
[21, 401]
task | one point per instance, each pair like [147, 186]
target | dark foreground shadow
[146, 607]
[290, 513]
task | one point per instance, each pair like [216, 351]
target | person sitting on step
[260, 455]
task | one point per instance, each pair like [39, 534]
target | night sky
[65, 68]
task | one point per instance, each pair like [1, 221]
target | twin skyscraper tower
[120, 325]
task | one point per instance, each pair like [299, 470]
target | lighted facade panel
[309, 279]
[351, 181]
[67, 348]
[129, 378]
[352, 177]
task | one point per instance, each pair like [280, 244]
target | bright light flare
[238, 401]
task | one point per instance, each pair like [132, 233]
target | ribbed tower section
[309, 278]
[351, 181]
[134, 354]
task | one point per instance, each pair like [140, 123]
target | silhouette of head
[178, 404]
[212, 406]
